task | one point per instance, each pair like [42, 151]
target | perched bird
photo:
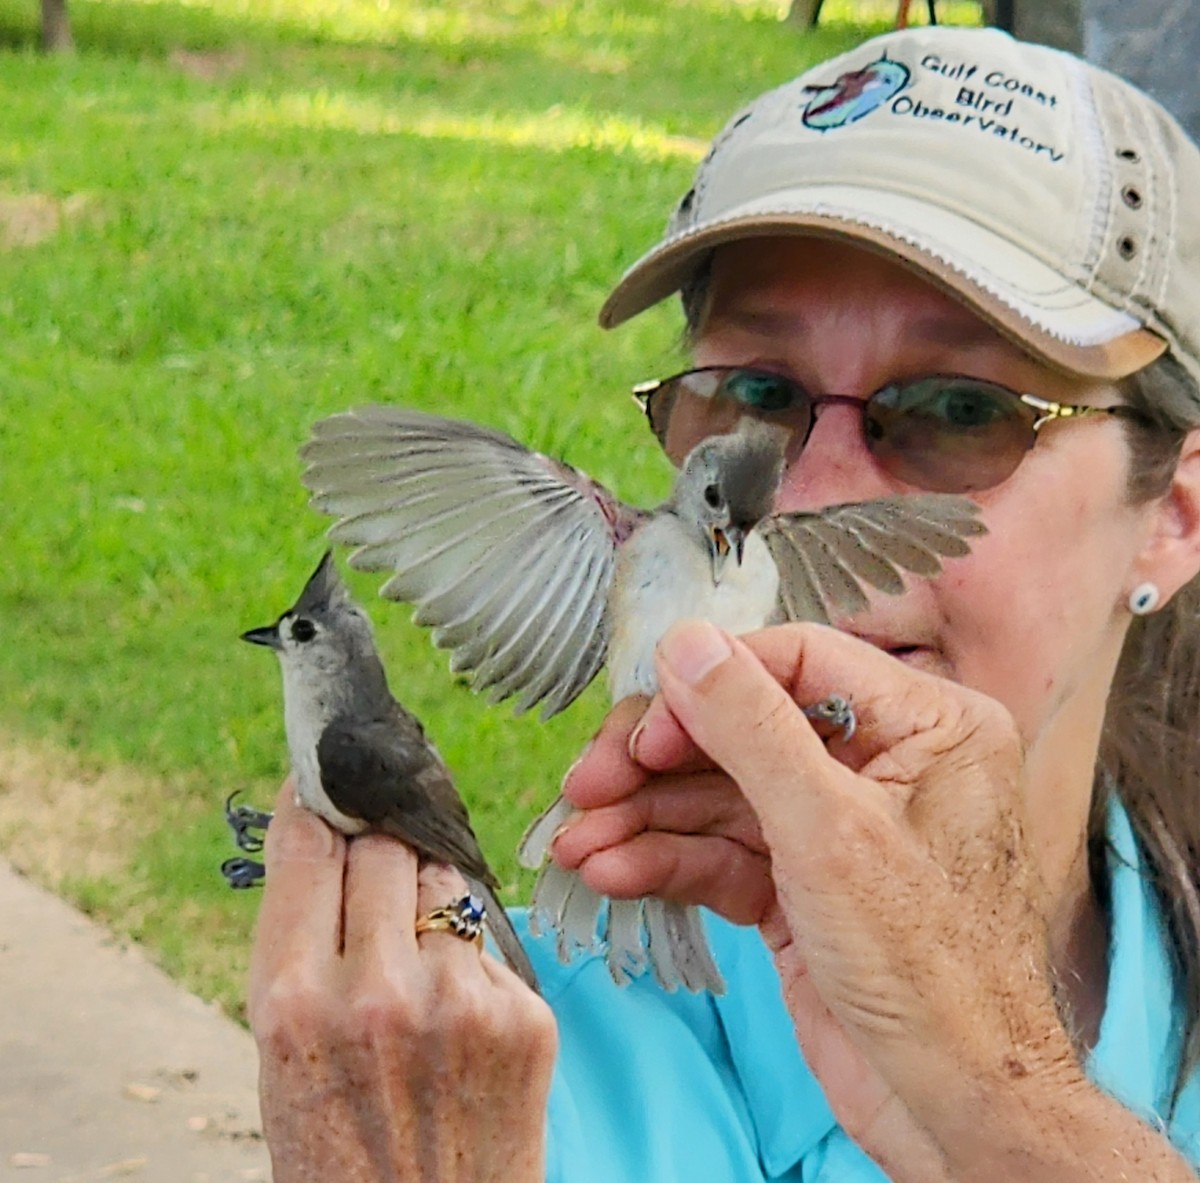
[534, 576]
[360, 760]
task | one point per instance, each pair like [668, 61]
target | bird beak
[730, 540]
[267, 635]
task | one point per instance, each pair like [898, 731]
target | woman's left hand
[890, 875]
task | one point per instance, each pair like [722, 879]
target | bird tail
[668, 937]
[502, 932]
[678, 947]
[535, 845]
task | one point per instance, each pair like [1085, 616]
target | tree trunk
[1050, 22]
[56, 27]
[805, 13]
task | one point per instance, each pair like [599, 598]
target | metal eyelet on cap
[1132, 197]
[1127, 247]
[1128, 154]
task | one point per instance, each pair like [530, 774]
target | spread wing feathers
[392, 777]
[506, 553]
[668, 936]
[825, 558]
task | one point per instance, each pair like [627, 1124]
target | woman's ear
[1171, 555]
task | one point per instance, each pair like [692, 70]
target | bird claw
[242, 819]
[243, 872]
[837, 712]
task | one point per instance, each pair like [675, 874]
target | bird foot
[243, 872]
[242, 820]
[835, 711]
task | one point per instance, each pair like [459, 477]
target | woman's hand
[385, 1055]
[889, 875]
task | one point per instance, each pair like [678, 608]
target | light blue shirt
[677, 1088]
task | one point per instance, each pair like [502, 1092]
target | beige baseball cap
[1058, 201]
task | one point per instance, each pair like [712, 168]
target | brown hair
[1150, 745]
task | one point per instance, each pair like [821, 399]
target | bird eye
[712, 496]
[303, 630]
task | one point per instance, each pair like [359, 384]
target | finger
[605, 772]
[737, 711]
[298, 931]
[705, 803]
[689, 869]
[380, 901]
[443, 951]
[892, 702]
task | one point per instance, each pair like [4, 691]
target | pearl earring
[1143, 599]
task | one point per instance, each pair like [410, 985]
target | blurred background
[223, 219]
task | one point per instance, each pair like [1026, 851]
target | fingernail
[692, 650]
[634, 736]
[591, 743]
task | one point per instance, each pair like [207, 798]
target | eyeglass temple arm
[1049, 410]
[643, 390]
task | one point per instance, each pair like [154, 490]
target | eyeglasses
[942, 432]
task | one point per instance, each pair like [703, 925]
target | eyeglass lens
[944, 434]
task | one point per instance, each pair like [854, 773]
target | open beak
[268, 635]
[727, 541]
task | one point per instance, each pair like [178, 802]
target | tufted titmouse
[535, 576]
[360, 760]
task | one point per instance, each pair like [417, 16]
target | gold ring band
[463, 918]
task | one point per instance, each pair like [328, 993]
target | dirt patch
[29, 218]
[208, 65]
[59, 821]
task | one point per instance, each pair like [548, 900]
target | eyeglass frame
[1048, 409]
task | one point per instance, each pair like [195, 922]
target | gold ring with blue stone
[464, 918]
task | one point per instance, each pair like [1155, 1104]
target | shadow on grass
[635, 57]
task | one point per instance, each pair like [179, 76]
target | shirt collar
[1134, 1058]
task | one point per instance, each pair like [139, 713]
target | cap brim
[1025, 299]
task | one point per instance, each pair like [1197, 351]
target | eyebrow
[961, 332]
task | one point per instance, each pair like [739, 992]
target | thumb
[747, 723]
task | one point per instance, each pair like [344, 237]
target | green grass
[279, 210]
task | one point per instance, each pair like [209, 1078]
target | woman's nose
[834, 465]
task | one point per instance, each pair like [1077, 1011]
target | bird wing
[825, 558]
[508, 554]
[387, 773]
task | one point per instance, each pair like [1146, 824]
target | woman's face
[1035, 615]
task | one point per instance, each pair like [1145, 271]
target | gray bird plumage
[360, 760]
[534, 577]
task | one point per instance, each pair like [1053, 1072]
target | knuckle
[539, 1029]
[522, 1027]
[290, 1015]
[379, 1012]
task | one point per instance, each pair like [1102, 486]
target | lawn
[223, 219]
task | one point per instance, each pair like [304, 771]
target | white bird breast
[664, 576]
[305, 716]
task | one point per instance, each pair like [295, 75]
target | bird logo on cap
[854, 95]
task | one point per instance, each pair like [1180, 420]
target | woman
[968, 942]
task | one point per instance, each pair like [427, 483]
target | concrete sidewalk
[108, 1070]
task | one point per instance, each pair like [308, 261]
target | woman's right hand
[386, 1055]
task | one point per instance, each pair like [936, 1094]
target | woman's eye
[764, 392]
[963, 407]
